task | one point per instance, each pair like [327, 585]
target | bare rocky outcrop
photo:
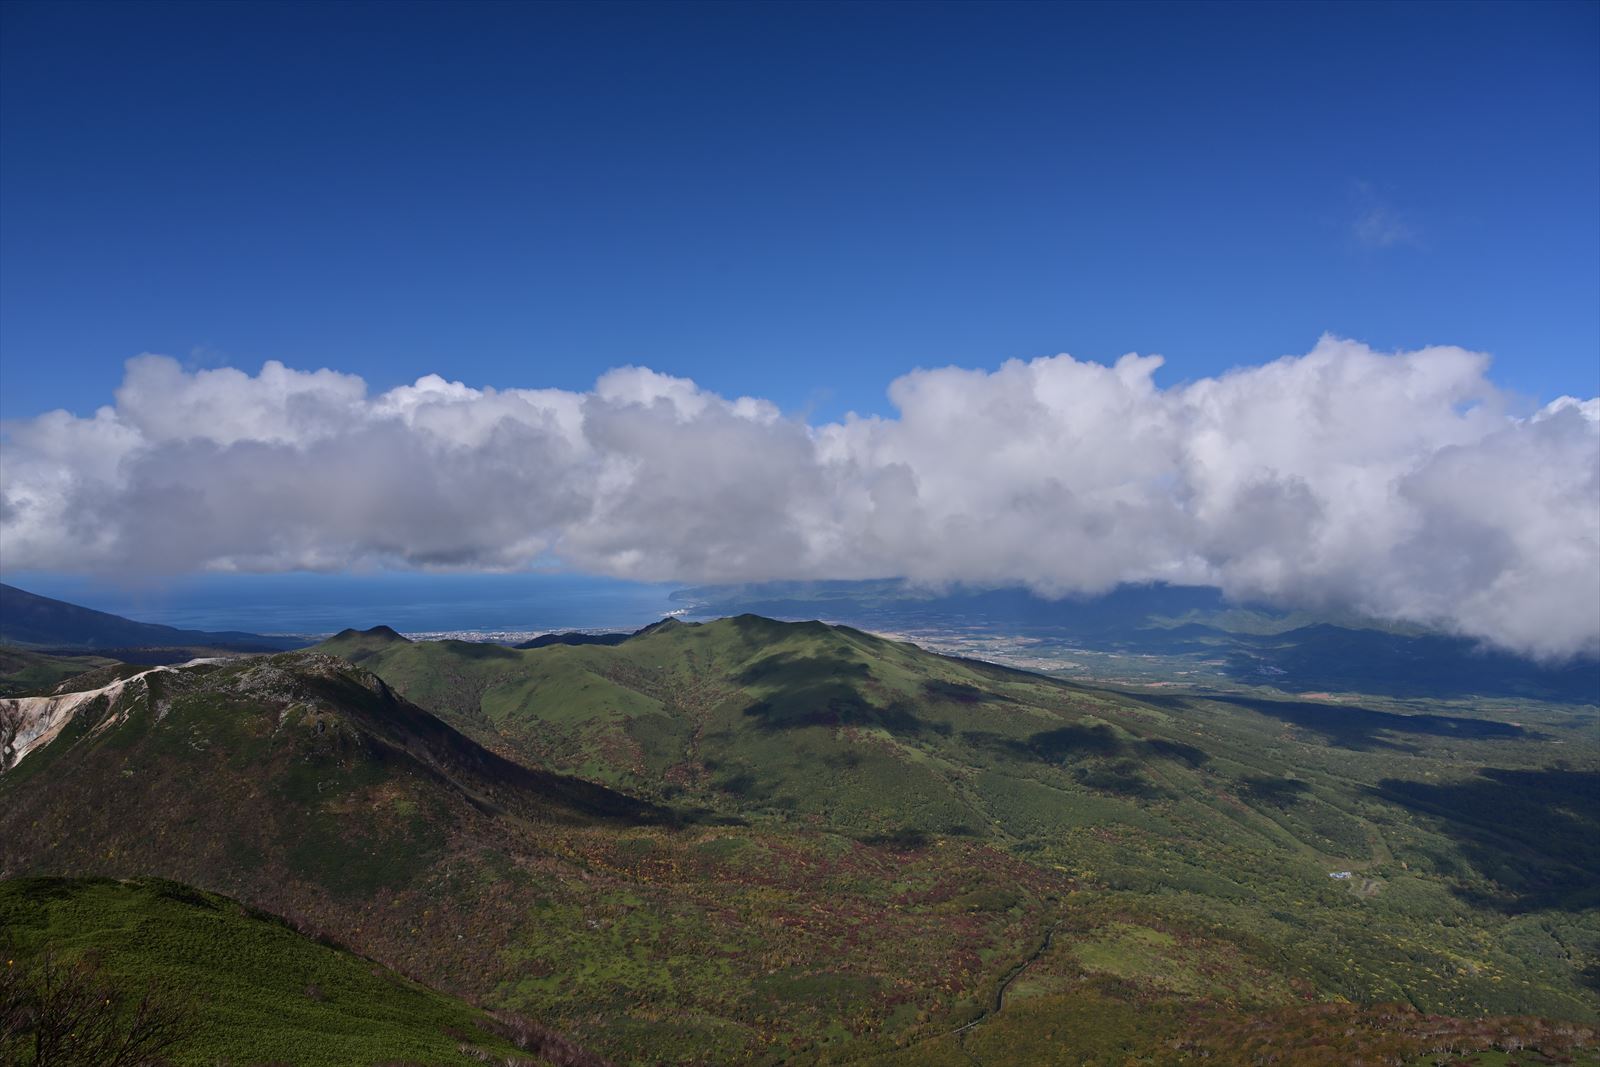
[29, 723]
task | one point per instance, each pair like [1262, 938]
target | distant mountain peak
[377, 633]
[355, 645]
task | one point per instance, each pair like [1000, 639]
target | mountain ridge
[28, 620]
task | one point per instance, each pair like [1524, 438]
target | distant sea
[301, 603]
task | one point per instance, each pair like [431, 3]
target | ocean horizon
[307, 603]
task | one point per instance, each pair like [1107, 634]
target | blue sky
[797, 202]
[803, 204]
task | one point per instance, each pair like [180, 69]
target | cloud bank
[1406, 486]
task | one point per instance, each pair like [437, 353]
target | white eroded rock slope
[39, 719]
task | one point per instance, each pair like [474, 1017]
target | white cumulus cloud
[1404, 485]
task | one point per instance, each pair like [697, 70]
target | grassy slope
[741, 713]
[1473, 852]
[261, 992]
[23, 671]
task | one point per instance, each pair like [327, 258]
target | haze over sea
[306, 603]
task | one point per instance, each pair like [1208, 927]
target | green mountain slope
[32, 621]
[258, 991]
[872, 851]
[744, 714]
[326, 779]
[1470, 873]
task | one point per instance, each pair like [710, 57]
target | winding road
[1006, 981]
